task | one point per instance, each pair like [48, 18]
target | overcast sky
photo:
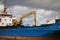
[45, 9]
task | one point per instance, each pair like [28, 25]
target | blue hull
[52, 30]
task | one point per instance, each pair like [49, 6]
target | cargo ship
[9, 26]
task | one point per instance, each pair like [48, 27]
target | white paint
[6, 20]
[50, 22]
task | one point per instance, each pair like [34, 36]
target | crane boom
[28, 14]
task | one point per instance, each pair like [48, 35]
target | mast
[5, 7]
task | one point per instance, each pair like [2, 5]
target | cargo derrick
[28, 14]
[19, 23]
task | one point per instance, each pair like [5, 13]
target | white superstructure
[6, 20]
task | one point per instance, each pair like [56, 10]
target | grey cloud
[43, 4]
[38, 4]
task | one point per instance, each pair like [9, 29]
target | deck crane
[17, 23]
[28, 14]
